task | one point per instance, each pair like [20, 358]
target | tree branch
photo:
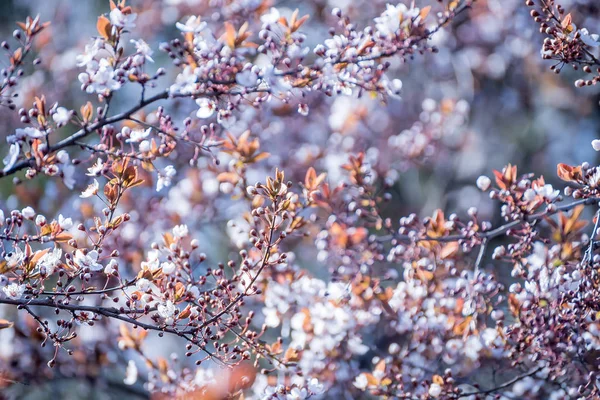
[502, 386]
[86, 130]
[497, 231]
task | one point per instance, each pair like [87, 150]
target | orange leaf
[86, 112]
[568, 173]
[229, 35]
[462, 328]
[168, 238]
[4, 324]
[380, 367]
[514, 305]
[38, 255]
[291, 355]
[449, 250]
[63, 237]
[185, 313]
[104, 27]
[566, 23]
[16, 57]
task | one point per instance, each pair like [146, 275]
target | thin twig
[497, 231]
[590, 250]
[482, 249]
[502, 386]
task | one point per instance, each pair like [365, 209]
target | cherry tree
[209, 204]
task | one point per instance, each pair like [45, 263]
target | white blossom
[65, 223]
[393, 87]
[303, 109]
[145, 146]
[28, 213]
[143, 49]
[297, 393]
[185, 82]
[69, 176]
[122, 20]
[168, 267]
[529, 195]
[547, 192]
[247, 78]
[226, 118]
[271, 17]
[593, 179]
[435, 390]
[361, 382]
[335, 45]
[99, 77]
[131, 374]
[483, 183]
[206, 107]
[166, 310]
[14, 291]
[49, 261]
[152, 264]
[63, 157]
[91, 50]
[14, 257]
[89, 260]
[91, 190]
[193, 24]
[180, 231]
[590, 39]
[315, 387]
[29, 132]
[278, 86]
[499, 252]
[62, 116]
[111, 267]
[393, 18]
[12, 156]
[96, 169]
[137, 135]
[142, 284]
[165, 177]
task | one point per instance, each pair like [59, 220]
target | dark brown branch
[86, 130]
[109, 312]
[499, 231]
[502, 386]
[240, 296]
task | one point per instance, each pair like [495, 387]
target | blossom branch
[498, 231]
[505, 385]
[85, 131]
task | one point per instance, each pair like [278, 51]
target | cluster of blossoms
[174, 247]
[565, 43]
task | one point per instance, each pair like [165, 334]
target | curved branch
[109, 312]
[502, 386]
[86, 130]
[499, 231]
